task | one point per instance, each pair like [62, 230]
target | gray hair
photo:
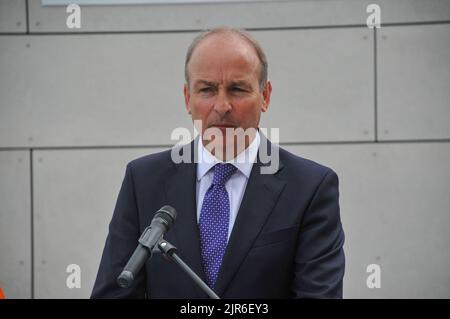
[244, 35]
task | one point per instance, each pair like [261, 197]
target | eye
[206, 89]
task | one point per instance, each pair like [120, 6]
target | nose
[222, 104]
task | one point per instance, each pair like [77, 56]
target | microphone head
[125, 279]
[168, 213]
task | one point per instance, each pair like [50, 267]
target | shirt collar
[243, 162]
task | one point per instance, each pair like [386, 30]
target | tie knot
[223, 172]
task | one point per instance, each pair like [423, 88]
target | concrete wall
[77, 104]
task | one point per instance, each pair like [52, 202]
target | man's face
[224, 90]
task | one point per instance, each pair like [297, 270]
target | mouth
[223, 125]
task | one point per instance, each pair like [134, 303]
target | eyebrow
[199, 82]
[241, 83]
[234, 83]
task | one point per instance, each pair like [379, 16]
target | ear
[267, 91]
[187, 98]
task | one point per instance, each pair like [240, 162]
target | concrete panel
[13, 16]
[410, 11]
[413, 82]
[394, 209]
[394, 204]
[322, 84]
[75, 194]
[272, 14]
[92, 90]
[15, 224]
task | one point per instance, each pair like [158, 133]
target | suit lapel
[181, 194]
[260, 196]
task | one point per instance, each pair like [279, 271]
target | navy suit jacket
[287, 240]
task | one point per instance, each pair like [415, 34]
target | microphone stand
[169, 251]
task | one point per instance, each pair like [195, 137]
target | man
[246, 233]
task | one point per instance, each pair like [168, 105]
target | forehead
[221, 56]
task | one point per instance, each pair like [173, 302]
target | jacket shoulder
[300, 166]
[158, 160]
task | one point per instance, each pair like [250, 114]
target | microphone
[161, 223]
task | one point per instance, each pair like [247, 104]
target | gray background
[77, 104]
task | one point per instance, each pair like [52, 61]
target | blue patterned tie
[214, 220]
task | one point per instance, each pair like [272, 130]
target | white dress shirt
[237, 183]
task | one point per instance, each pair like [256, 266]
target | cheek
[200, 108]
[248, 111]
